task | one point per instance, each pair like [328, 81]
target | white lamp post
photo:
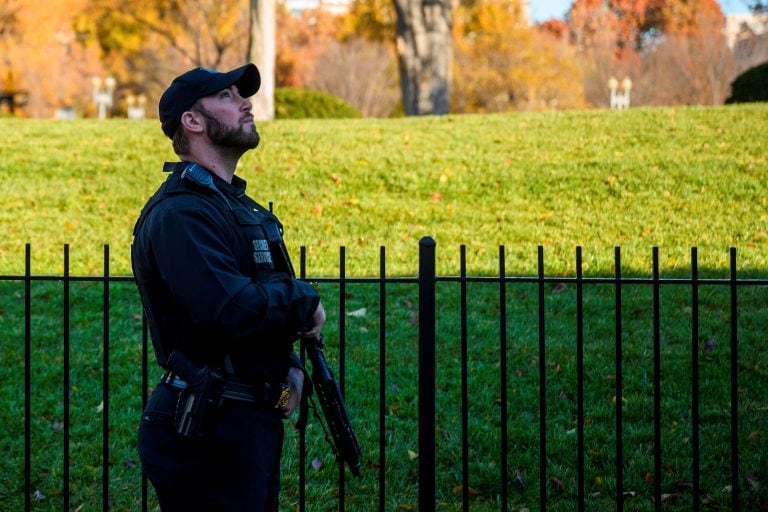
[136, 106]
[103, 97]
[619, 99]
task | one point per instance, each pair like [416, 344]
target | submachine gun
[344, 443]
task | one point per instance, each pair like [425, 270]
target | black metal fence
[430, 311]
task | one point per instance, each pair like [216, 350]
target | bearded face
[242, 136]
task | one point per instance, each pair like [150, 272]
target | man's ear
[192, 121]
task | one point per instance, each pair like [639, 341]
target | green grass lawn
[672, 178]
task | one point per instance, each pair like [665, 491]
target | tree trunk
[261, 51]
[424, 49]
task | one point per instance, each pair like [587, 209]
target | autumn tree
[373, 20]
[502, 64]
[758, 6]
[146, 43]
[625, 23]
[301, 40]
[324, 51]
[9, 11]
[362, 72]
[692, 63]
[654, 42]
[9, 24]
[47, 56]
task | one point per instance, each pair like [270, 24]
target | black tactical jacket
[215, 278]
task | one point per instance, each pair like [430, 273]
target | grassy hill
[673, 178]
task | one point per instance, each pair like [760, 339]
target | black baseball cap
[197, 83]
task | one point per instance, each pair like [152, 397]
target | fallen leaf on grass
[519, 480]
[459, 491]
[557, 483]
[752, 482]
[358, 313]
[412, 455]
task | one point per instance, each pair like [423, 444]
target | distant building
[744, 26]
[296, 7]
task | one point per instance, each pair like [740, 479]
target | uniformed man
[223, 308]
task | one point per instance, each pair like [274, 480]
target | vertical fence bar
[464, 381]
[27, 377]
[579, 380]
[105, 388]
[619, 384]
[144, 396]
[656, 383]
[503, 376]
[696, 463]
[542, 388]
[427, 276]
[302, 432]
[734, 387]
[342, 344]
[382, 378]
[65, 383]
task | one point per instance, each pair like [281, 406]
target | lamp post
[619, 99]
[103, 97]
[136, 106]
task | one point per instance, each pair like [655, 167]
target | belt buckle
[285, 395]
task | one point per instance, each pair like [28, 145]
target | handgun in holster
[199, 400]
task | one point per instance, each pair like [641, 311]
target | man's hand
[295, 380]
[318, 319]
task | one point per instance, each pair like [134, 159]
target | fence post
[427, 459]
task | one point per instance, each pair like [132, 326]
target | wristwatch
[285, 395]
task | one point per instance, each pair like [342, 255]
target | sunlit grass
[673, 178]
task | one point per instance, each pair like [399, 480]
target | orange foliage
[691, 17]
[300, 42]
[630, 21]
[555, 28]
[48, 58]
[501, 64]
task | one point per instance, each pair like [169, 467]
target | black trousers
[236, 468]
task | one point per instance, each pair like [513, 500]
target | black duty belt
[252, 393]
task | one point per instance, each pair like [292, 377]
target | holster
[199, 400]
